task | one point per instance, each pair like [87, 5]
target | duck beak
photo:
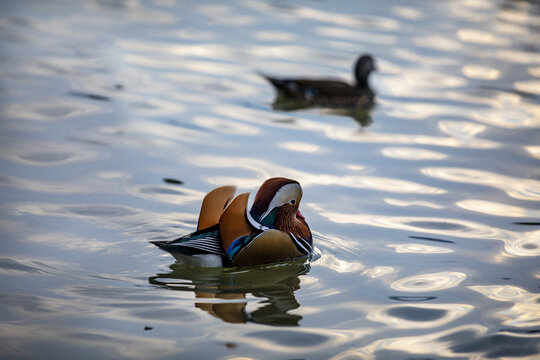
[300, 216]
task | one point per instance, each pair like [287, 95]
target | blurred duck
[300, 93]
[227, 234]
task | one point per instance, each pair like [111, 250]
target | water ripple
[66, 241]
[80, 210]
[419, 316]
[51, 110]
[443, 226]
[515, 243]
[339, 265]
[117, 344]
[225, 126]
[266, 169]
[497, 209]
[480, 72]
[166, 194]
[286, 341]
[366, 21]
[303, 147]
[472, 341]
[43, 186]
[378, 271]
[429, 282]
[463, 130]
[481, 37]
[438, 42]
[18, 266]
[352, 34]
[530, 86]
[525, 310]
[278, 36]
[419, 249]
[334, 132]
[510, 118]
[49, 154]
[519, 188]
[404, 203]
[533, 150]
[409, 153]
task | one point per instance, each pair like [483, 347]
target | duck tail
[277, 83]
[159, 243]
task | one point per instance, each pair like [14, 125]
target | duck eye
[292, 202]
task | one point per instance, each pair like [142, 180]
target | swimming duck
[227, 234]
[300, 93]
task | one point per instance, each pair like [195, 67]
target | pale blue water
[426, 222]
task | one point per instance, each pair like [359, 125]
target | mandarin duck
[295, 94]
[227, 234]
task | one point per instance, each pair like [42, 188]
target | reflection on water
[523, 189]
[515, 243]
[116, 117]
[524, 312]
[406, 153]
[50, 110]
[110, 343]
[419, 249]
[465, 341]
[222, 292]
[420, 315]
[497, 209]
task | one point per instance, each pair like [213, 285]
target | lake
[118, 116]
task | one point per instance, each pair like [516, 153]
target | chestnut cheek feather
[288, 220]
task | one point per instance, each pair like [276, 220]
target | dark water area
[116, 117]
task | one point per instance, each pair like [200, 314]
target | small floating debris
[173, 181]
[431, 239]
[412, 298]
[90, 96]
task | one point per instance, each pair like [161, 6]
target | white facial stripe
[283, 196]
[254, 223]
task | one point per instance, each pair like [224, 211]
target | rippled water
[117, 117]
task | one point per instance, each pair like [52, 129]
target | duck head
[363, 67]
[276, 206]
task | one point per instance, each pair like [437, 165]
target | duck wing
[266, 247]
[307, 88]
[326, 89]
[203, 242]
[232, 223]
[334, 94]
[213, 205]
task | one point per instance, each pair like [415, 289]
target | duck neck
[267, 222]
[362, 81]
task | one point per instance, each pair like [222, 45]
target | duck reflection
[222, 291]
[338, 97]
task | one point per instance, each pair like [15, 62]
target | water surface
[118, 116]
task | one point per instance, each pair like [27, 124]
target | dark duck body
[228, 234]
[301, 93]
